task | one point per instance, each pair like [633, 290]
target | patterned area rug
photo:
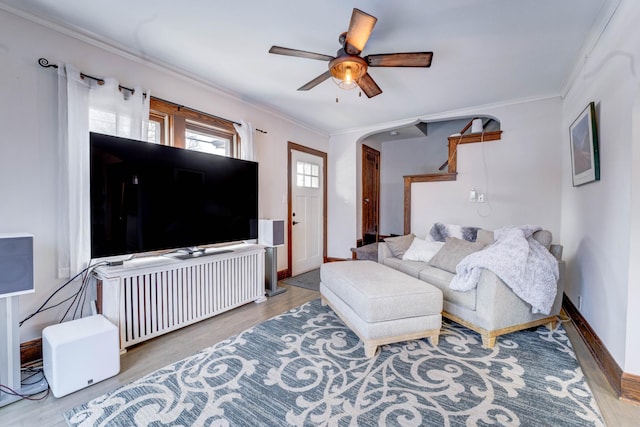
[305, 367]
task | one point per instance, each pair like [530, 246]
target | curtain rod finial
[44, 62]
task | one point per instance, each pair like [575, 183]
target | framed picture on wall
[585, 160]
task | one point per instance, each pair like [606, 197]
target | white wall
[342, 195]
[519, 175]
[412, 156]
[28, 115]
[601, 220]
[527, 158]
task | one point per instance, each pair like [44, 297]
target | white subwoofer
[79, 353]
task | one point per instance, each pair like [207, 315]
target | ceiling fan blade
[315, 82]
[299, 53]
[411, 59]
[368, 86]
[359, 31]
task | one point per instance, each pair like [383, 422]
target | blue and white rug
[305, 367]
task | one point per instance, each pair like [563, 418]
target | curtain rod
[44, 62]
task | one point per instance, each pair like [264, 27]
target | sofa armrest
[497, 306]
[383, 252]
[556, 251]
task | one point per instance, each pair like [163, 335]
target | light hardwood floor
[164, 350]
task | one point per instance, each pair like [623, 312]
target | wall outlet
[472, 196]
[481, 198]
[579, 303]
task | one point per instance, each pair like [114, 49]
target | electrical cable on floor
[12, 392]
[8, 390]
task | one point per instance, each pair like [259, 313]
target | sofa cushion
[441, 279]
[421, 250]
[453, 251]
[412, 268]
[392, 262]
[439, 232]
[398, 245]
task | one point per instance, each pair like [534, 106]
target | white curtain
[247, 146]
[84, 106]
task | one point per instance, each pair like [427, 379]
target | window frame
[175, 119]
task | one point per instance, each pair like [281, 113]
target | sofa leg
[488, 341]
[434, 340]
[552, 325]
[370, 350]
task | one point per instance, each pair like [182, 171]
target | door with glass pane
[307, 211]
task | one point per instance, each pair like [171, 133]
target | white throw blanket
[522, 263]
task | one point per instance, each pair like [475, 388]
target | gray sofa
[492, 308]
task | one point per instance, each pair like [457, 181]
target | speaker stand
[10, 355]
[271, 272]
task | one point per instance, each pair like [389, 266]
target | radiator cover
[148, 297]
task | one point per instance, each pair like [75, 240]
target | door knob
[295, 222]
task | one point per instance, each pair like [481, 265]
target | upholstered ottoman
[380, 304]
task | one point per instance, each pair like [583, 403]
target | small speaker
[16, 264]
[271, 232]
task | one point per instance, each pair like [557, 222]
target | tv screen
[147, 197]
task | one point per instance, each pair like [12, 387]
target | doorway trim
[292, 146]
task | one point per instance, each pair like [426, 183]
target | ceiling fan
[348, 67]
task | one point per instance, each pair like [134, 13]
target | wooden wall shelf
[476, 137]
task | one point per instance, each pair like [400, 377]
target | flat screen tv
[147, 197]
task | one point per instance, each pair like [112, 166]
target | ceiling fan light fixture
[347, 71]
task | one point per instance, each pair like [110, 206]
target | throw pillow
[453, 251]
[439, 232]
[485, 237]
[398, 245]
[543, 237]
[421, 250]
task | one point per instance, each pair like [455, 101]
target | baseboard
[30, 351]
[626, 386]
[630, 387]
[331, 259]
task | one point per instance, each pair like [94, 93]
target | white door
[307, 209]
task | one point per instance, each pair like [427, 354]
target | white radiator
[150, 298]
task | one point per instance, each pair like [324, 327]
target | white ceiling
[485, 51]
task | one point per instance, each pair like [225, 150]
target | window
[171, 124]
[207, 140]
[157, 132]
[307, 175]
